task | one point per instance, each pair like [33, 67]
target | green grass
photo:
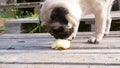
[4, 14]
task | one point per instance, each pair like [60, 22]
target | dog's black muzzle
[61, 32]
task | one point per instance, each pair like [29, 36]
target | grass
[29, 28]
[4, 14]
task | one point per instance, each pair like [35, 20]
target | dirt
[2, 20]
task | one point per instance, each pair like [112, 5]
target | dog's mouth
[61, 33]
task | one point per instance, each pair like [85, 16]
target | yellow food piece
[61, 44]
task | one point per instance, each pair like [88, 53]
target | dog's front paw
[71, 38]
[106, 33]
[93, 40]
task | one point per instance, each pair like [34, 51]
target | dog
[61, 18]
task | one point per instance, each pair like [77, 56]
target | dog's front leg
[75, 26]
[73, 35]
[109, 19]
[100, 26]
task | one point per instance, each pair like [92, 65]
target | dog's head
[56, 23]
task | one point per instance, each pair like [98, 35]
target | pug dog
[61, 18]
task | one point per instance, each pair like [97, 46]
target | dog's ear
[58, 14]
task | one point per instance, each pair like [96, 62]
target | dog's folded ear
[58, 13]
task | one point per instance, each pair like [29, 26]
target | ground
[34, 51]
